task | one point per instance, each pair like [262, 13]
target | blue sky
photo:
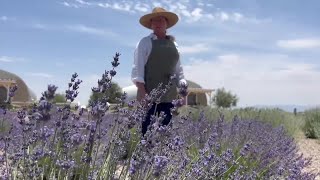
[267, 52]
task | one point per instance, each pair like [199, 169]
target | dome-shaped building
[23, 94]
[196, 94]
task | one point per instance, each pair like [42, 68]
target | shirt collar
[154, 37]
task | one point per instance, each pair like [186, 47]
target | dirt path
[310, 148]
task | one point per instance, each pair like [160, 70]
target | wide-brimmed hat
[158, 11]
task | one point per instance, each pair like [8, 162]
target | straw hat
[158, 11]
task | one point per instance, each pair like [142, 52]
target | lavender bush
[50, 142]
[276, 117]
[311, 127]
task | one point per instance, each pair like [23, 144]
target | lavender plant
[50, 142]
[311, 125]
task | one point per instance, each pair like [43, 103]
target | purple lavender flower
[133, 164]
[77, 138]
[160, 162]
[3, 111]
[71, 92]
[228, 155]
[183, 89]
[12, 90]
[115, 62]
[65, 164]
[45, 133]
[200, 148]
[113, 72]
[244, 151]
[44, 105]
[49, 93]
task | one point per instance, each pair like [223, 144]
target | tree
[59, 98]
[225, 99]
[112, 93]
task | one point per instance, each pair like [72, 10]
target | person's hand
[183, 83]
[141, 91]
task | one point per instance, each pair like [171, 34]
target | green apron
[160, 66]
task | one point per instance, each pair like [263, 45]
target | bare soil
[310, 148]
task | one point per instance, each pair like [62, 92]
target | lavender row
[49, 142]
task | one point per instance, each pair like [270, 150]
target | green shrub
[311, 127]
[276, 117]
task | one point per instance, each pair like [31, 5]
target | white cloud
[186, 10]
[104, 5]
[122, 7]
[80, 28]
[299, 43]
[195, 48]
[157, 4]
[4, 18]
[69, 4]
[65, 4]
[123, 81]
[259, 79]
[40, 26]
[83, 2]
[60, 64]
[41, 75]
[196, 14]
[90, 30]
[237, 17]
[7, 59]
[224, 16]
[142, 7]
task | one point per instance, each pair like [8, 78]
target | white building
[196, 94]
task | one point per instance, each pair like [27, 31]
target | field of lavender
[49, 142]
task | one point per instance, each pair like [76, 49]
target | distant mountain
[289, 107]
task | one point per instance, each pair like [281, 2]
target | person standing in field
[156, 59]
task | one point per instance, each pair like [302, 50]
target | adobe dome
[192, 99]
[23, 94]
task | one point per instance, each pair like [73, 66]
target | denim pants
[165, 107]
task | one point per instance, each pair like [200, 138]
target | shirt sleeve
[179, 69]
[140, 59]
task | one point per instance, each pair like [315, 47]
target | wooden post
[187, 99]
[196, 98]
[210, 98]
[8, 91]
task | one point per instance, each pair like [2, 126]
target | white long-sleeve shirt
[141, 54]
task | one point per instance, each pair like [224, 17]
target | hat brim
[171, 17]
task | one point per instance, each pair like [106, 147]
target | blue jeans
[165, 107]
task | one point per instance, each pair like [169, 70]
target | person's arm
[137, 74]
[179, 70]
[141, 91]
[180, 74]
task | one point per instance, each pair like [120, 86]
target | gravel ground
[310, 148]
